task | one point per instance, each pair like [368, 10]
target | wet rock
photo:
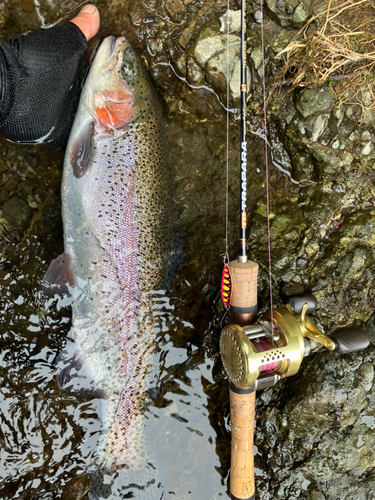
[314, 100]
[209, 56]
[194, 73]
[77, 488]
[328, 161]
[314, 431]
[348, 257]
[258, 16]
[233, 17]
[282, 40]
[28, 6]
[292, 289]
[256, 56]
[175, 9]
[16, 210]
[4, 195]
[315, 126]
[290, 13]
[317, 495]
[3, 167]
[11, 182]
[368, 143]
[366, 371]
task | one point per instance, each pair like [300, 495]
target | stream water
[322, 222]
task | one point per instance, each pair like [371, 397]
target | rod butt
[242, 411]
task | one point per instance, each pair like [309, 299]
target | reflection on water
[43, 428]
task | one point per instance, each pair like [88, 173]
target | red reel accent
[226, 286]
[264, 346]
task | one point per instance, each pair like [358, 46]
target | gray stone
[367, 149]
[233, 17]
[258, 16]
[316, 495]
[369, 116]
[316, 126]
[208, 47]
[16, 210]
[300, 14]
[366, 371]
[314, 100]
[256, 56]
[366, 135]
[210, 55]
[367, 98]
[194, 72]
[290, 13]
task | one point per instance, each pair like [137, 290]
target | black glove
[41, 76]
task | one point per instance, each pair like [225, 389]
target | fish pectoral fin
[59, 276]
[80, 152]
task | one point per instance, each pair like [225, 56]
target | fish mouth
[112, 59]
[115, 42]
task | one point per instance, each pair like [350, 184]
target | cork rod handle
[242, 411]
[243, 303]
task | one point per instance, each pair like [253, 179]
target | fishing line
[226, 256]
[266, 159]
[225, 288]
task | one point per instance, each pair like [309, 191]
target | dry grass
[337, 45]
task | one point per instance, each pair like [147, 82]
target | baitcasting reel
[258, 355]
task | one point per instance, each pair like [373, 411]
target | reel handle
[242, 411]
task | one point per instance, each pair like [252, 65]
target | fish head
[118, 90]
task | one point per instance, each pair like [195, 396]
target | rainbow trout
[117, 250]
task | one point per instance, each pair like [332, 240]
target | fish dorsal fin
[80, 152]
[59, 276]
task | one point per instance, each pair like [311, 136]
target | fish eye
[128, 68]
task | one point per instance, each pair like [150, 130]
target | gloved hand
[41, 75]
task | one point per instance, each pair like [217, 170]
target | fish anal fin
[80, 152]
[59, 276]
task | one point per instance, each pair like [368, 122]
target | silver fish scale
[117, 230]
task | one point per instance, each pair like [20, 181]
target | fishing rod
[239, 294]
[257, 354]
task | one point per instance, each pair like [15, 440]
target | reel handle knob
[350, 339]
[298, 301]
